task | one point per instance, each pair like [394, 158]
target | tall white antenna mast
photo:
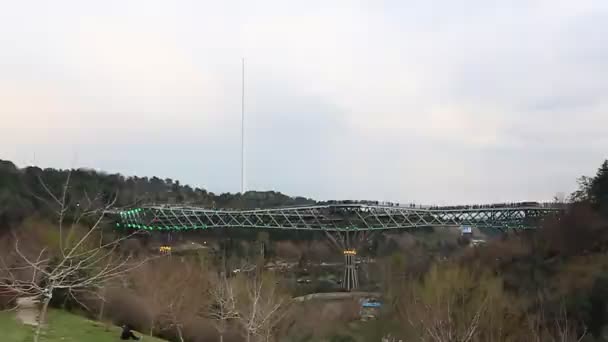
[243, 128]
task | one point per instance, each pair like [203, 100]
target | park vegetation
[56, 244]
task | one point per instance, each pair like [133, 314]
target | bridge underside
[329, 218]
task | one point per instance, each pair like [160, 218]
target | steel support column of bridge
[348, 243]
[350, 280]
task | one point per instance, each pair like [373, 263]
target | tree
[558, 329]
[222, 309]
[288, 250]
[582, 193]
[560, 198]
[175, 292]
[453, 304]
[149, 284]
[598, 189]
[261, 306]
[81, 259]
[594, 189]
[185, 297]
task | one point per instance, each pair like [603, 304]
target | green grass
[62, 327]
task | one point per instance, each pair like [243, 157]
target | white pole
[243, 128]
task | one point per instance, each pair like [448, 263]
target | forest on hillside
[22, 191]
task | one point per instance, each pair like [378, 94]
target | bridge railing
[450, 207]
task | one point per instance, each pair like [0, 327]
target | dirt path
[27, 310]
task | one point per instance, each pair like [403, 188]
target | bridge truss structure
[331, 218]
[347, 226]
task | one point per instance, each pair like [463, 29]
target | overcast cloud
[427, 101]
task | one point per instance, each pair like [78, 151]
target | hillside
[22, 191]
[64, 327]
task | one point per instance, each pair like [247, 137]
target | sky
[434, 102]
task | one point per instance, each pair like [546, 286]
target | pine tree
[598, 191]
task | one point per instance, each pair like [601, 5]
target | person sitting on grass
[127, 334]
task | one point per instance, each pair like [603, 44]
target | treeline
[549, 284]
[24, 190]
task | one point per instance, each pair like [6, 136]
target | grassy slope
[63, 326]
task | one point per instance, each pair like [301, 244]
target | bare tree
[82, 260]
[186, 297]
[149, 283]
[439, 325]
[562, 329]
[288, 250]
[175, 291]
[222, 309]
[261, 306]
[452, 304]
[565, 329]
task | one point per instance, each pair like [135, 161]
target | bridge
[333, 217]
[347, 225]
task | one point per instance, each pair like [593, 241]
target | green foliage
[598, 190]
[582, 193]
[594, 189]
[63, 327]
